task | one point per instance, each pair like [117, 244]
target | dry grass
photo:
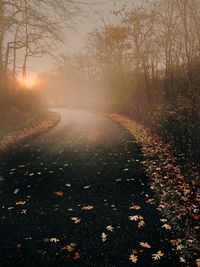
[16, 127]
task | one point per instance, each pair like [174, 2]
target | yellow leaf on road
[20, 203]
[89, 207]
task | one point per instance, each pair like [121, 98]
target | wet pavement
[78, 196]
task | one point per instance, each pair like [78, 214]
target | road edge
[11, 140]
[160, 170]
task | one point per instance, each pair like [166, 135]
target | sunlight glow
[30, 81]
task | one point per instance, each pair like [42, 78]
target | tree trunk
[15, 55]
[2, 78]
[24, 70]
[7, 59]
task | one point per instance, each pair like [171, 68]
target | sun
[29, 82]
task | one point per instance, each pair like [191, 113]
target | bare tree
[33, 27]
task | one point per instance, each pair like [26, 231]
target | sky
[76, 41]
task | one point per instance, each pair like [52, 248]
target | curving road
[67, 195]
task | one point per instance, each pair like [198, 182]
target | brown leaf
[145, 245]
[88, 207]
[71, 247]
[135, 207]
[133, 258]
[77, 256]
[59, 193]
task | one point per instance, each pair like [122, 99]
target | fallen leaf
[158, 255]
[170, 166]
[16, 191]
[87, 187]
[77, 256]
[135, 207]
[28, 238]
[179, 247]
[141, 224]
[23, 211]
[198, 262]
[145, 245]
[54, 240]
[89, 207]
[155, 257]
[184, 198]
[59, 193]
[133, 258]
[134, 218]
[104, 237]
[70, 209]
[76, 220]
[175, 242]
[181, 259]
[163, 220]
[166, 226]
[151, 201]
[196, 216]
[110, 228]
[71, 247]
[20, 203]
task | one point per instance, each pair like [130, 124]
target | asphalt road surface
[78, 196]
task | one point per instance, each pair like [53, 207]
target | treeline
[29, 29]
[148, 60]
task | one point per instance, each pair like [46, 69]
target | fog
[72, 73]
[138, 58]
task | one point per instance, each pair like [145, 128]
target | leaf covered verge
[28, 126]
[176, 186]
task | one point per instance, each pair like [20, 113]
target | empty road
[78, 196]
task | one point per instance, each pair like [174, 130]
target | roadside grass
[17, 125]
[176, 183]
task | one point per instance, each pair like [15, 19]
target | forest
[145, 64]
[28, 29]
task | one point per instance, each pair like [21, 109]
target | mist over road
[78, 196]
